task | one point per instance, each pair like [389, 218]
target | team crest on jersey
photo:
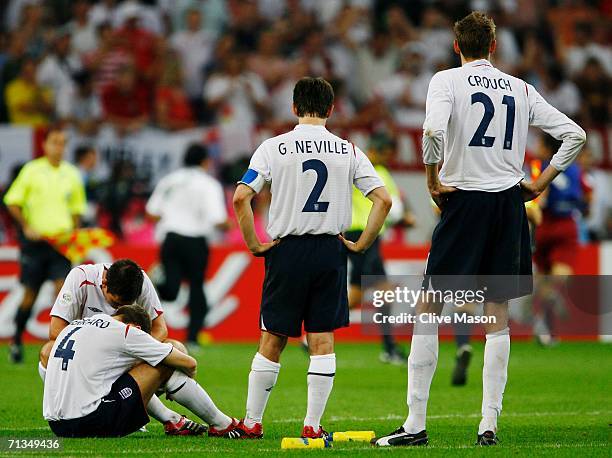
[93, 309]
[67, 297]
[125, 393]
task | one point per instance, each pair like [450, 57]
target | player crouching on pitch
[103, 288]
[104, 371]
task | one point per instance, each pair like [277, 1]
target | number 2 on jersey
[312, 203]
[64, 349]
[479, 138]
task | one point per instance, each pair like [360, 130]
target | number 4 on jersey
[479, 138]
[64, 349]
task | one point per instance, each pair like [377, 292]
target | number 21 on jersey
[480, 138]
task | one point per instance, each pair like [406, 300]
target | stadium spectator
[32, 27]
[560, 92]
[126, 102]
[584, 47]
[79, 106]
[27, 102]
[376, 61]
[173, 110]
[195, 46]
[405, 91]
[56, 68]
[238, 97]
[46, 199]
[594, 85]
[141, 42]
[103, 12]
[106, 61]
[266, 61]
[83, 32]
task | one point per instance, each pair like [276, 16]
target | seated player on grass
[102, 288]
[103, 371]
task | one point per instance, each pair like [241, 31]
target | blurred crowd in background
[177, 64]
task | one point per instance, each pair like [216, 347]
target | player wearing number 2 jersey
[311, 173]
[476, 121]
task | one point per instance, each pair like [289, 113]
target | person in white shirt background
[189, 206]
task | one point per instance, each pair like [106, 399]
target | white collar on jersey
[479, 63]
[309, 126]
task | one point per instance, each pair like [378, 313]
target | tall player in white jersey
[103, 370]
[476, 122]
[311, 173]
[101, 288]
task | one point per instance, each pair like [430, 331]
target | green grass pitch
[558, 402]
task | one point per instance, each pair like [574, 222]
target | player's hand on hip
[439, 194]
[351, 246]
[530, 191]
[262, 248]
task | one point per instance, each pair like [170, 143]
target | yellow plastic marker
[353, 436]
[298, 442]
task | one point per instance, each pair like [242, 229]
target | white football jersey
[82, 297]
[311, 172]
[477, 119]
[86, 359]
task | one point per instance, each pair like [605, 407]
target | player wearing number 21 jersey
[311, 173]
[476, 122]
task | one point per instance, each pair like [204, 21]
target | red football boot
[241, 431]
[214, 432]
[184, 427]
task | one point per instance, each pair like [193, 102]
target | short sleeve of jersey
[68, 303]
[149, 300]
[16, 194]
[365, 177]
[259, 170]
[141, 345]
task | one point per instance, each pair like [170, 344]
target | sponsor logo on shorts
[125, 393]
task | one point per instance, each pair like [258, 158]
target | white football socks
[160, 412]
[320, 380]
[494, 377]
[187, 392]
[421, 367]
[262, 379]
[42, 371]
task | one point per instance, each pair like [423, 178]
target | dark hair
[551, 144]
[124, 279]
[135, 314]
[195, 154]
[474, 34]
[81, 151]
[313, 97]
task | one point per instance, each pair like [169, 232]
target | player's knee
[45, 353]
[271, 346]
[178, 345]
[321, 343]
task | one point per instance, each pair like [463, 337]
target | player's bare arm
[381, 204]
[437, 190]
[244, 214]
[159, 329]
[182, 362]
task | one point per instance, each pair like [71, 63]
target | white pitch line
[453, 415]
